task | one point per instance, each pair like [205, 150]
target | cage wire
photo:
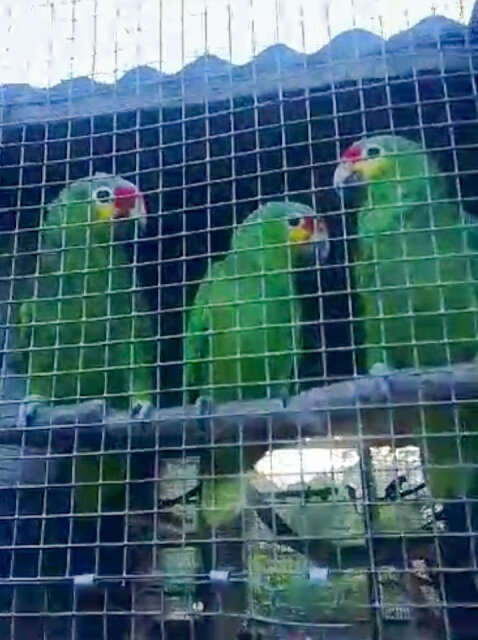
[238, 320]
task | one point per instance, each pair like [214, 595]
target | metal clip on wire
[84, 580]
[219, 576]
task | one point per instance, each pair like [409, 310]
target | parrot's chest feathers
[96, 269]
[84, 285]
[415, 289]
[404, 246]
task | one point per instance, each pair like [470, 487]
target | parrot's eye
[294, 222]
[103, 195]
[374, 152]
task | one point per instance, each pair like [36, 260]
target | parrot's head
[306, 231]
[383, 169]
[308, 235]
[106, 199]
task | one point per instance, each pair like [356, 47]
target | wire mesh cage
[238, 320]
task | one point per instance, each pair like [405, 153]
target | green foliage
[280, 588]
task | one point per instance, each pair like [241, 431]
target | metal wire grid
[40, 527]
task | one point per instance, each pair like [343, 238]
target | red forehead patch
[125, 198]
[352, 154]
[309, 223]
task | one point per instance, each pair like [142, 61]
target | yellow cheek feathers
[370, 169]
[105, 211]
[299, 234]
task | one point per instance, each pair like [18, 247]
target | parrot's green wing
[24, 304]
[242, 335]
[24, 333]
[220, 497]
[471, 223]
[197, 344]
[451, 458]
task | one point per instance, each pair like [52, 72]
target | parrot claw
[380, 369]
[205, 405]
[142, 410]
[284, 397]
[28, 409]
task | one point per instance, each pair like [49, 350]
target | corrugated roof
[434, 43]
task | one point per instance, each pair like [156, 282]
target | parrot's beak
[321, 241]
[351, 176]
[349, 182]
[355, 170]
[349, 171]
[346, 175]
[312, 233]
[139, 211]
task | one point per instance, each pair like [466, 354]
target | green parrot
[84, 331]
[415, 266]
[244, 335]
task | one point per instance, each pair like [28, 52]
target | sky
[46, 41]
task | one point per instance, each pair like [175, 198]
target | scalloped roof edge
[433, 43]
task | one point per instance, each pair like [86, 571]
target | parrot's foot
[205, 405]
[380, 369]
[284, 397]
[28, 410]
[142, 410]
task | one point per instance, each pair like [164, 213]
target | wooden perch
[382, 409]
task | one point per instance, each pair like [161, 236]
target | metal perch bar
[380, 408]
